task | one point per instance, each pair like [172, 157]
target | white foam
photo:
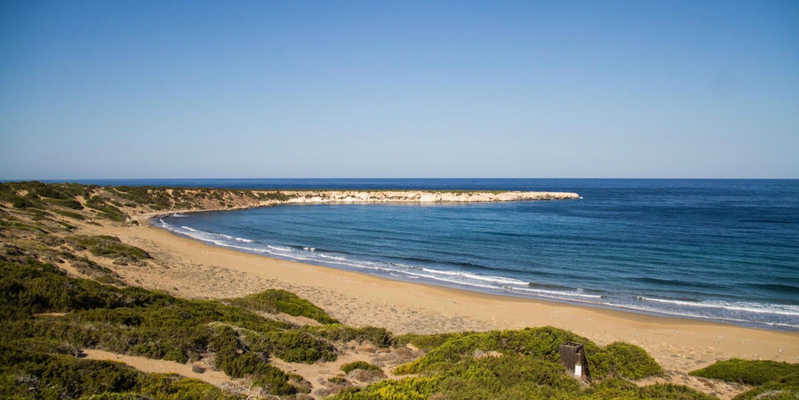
[686, 313]
[778, 309]
[278, 248]
[189, 229]
[494, 279]
[559, 293]
[457, 282]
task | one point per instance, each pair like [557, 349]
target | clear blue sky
[207, 89]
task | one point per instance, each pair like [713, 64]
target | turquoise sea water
[723, 250]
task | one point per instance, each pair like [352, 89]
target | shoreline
[401, 276]
[199, 270]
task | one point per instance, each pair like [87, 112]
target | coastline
[194, 269]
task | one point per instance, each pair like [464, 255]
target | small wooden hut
[573, 357]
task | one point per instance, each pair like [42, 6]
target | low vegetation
[363, 365]
[774, 380]
[273, 301]
[510, 376]
[783, 388]
[150, 324]
[748, 372]
[109, 247]
[618, 359]
[34, 375]
[48, 317]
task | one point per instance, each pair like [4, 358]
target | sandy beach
[193, 269]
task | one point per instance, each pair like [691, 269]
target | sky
[387, 89]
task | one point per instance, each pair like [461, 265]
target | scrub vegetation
[273, 301]
[48, 318]
[773, 380]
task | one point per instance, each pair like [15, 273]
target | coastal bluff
[123, 204]
[158, 201]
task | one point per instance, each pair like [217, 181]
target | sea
[719, 250]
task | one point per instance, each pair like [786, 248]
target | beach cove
[197, 270]
[192, 269]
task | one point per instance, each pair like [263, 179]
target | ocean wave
[494, 279]
[453, 281]
[560, 293]
[683, 312]
[778, 309]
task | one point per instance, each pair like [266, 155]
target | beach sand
[192, 269]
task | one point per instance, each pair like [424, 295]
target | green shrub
[626, 360]
[273, 301]
[70, 214]
[106, 210]
[539, 342]
[424, 342]
[349, 367]
[30, 375]
[747, 371]
[404, 389]
[620, 359]
[26, 202]
[66, 203]
[109, 247]
[279, 196]
[783, 388]
[343, 333]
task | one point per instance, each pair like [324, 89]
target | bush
[349, 367]
[424, 342]
[109, 247]
[273, 301]
[746, 371]
[106, 210]
[626, 360]
[343, 333]
[70, 214]
[783, 388]
[66, 203]
[620, 359]
[28, 375]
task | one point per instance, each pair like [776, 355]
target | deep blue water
[712, 249]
